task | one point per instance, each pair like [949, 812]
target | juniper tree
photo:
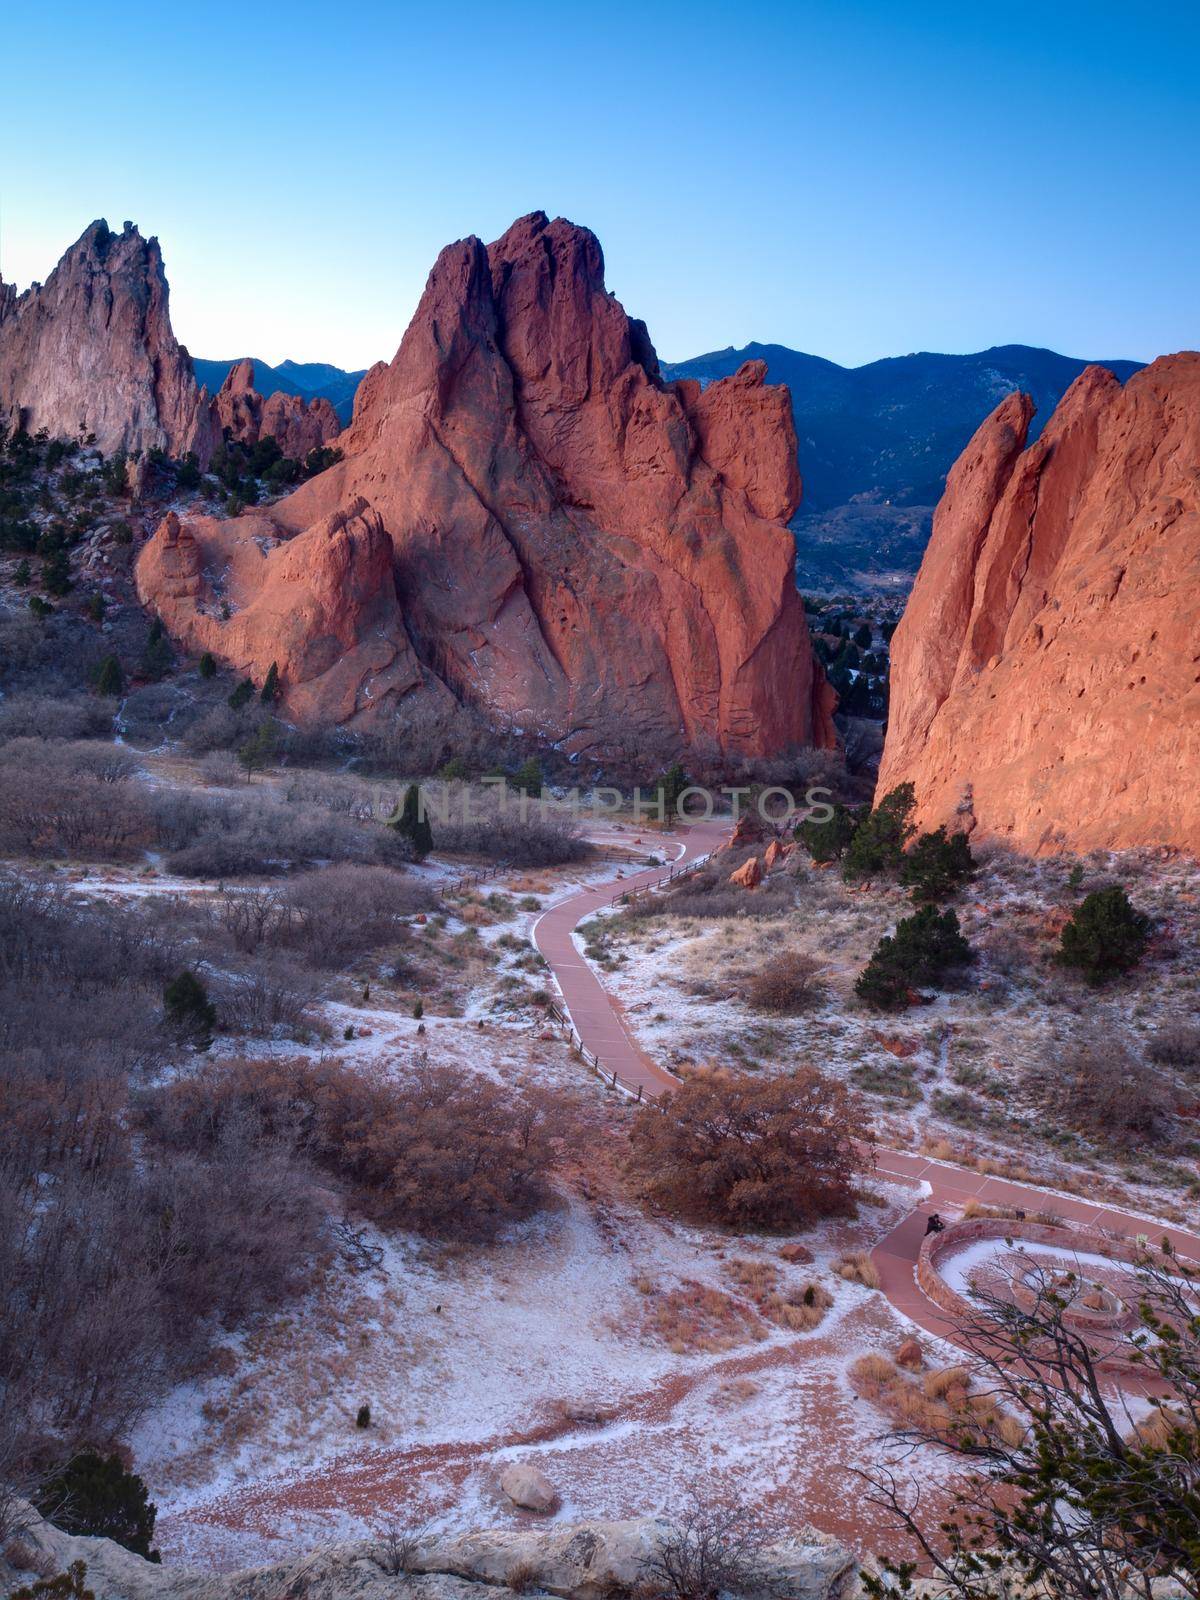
[1106, 935]
[110, 680]
[879, 842]
[1071, 1498]
[413, 824]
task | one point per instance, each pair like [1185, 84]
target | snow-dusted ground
[948, 1076]
[550, 1342]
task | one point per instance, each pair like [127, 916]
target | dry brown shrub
[445, 1153]
[1100, 1086]
[786, 984]
[770, 1153]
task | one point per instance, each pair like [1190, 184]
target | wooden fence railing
[607, 1076]
[628, 896]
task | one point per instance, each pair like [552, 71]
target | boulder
[749, 875]
[575, 1561]
[1044, 689]
[910, 1355]
[528, 1487]
[796, 1253]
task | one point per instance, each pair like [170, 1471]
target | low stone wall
[956, 1236]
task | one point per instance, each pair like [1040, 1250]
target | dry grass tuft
[798, 1309]
[736, 1391]
[523, 1577]
[940, 1405]
[696, 1318]
[857, 1267]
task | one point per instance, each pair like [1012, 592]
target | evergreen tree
[669, 788]
[157, 657]
[937, 865]
[878, 845]
[413, 824]
[923, 948]
[94, 1495]
[829, 840]
[241, 696]
[56, 573]
[187, 472]
[1106, 935]
[528, 778]
[40, 608]
[96, 606]
[110, 680]
[23, 574]
[863, 636]
[256, 752]
[189, 1013]
[208, 667]
[270, 688]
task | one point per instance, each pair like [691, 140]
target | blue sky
[853, 179]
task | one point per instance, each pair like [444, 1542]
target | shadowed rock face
[1049, 658]
[91, 350]
[581, 549]
[296, 424]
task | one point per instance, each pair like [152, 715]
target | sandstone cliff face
[91, 350]
[296, 424]
[1048, 661]
[583, 550]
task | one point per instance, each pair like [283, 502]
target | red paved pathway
[597, 1017]
[603, 1030]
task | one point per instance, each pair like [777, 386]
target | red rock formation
[297, 425]
[91, 351]
[328, 617]
[1046, 674]
[749, 875]
[587, 552]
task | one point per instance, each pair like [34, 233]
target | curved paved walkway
[597, 1017]
[603, 1030]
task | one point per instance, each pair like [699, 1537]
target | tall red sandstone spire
[1048, 661]
[579, 548]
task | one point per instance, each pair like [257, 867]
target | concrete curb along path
[602, 1028]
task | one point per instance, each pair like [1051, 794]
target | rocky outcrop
[91, 351]
[297, 425]
[581, 549]
[575, 1561]
[322, 606]
[1046, 673]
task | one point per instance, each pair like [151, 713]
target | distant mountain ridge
[876, 442]
[310, 379]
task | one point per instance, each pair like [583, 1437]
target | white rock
[528, 1488]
